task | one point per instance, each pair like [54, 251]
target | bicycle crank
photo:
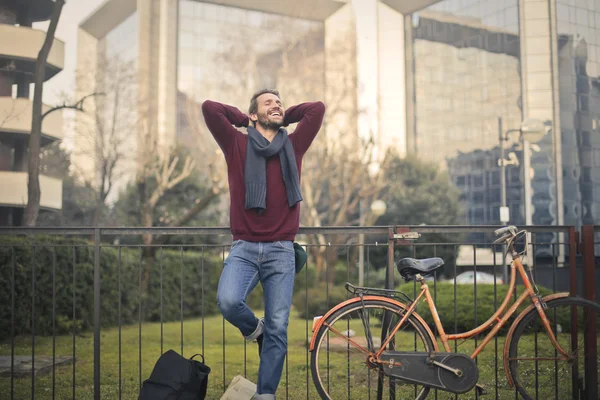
[452, 372]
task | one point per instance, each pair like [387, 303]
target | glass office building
[440, 79]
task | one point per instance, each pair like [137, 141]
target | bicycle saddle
[409, 267]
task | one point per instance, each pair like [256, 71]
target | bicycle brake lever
[503, 238]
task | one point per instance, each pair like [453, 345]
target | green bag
[300, 257]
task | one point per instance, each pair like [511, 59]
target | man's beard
[263, 120]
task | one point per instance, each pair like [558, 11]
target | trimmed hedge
[465, 304]
[318, 303]
[199, 283]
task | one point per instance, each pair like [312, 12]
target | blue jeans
[271, 263]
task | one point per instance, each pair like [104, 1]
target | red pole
[589, 292]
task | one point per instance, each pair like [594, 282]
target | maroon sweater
[279, 221]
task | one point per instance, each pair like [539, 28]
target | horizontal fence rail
[89, 310]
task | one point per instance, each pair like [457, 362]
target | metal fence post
[573, 242]
[96, 314]
[589, 292]
[385, 323]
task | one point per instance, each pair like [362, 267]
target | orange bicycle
[547, 351]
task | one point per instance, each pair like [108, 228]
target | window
[478, 180]
[586, 138]
[586, 174]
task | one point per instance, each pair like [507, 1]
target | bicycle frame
[516, 265]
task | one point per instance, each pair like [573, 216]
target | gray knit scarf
[255, 170]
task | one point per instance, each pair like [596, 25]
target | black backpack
[176, 378]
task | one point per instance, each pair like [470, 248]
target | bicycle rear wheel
[535, 364]
[340, 370]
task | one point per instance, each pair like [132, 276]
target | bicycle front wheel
[536, 366]
[341, 369]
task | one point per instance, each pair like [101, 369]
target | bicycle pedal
[481, 390]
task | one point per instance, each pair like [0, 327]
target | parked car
[468, 277]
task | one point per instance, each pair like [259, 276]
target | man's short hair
[253, 109]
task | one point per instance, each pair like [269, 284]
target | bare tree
[166, 169]
[33, 185]
[162, 169]
[104, 135]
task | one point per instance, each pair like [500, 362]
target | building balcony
[20, 47]
[15, 120]
[15, 190]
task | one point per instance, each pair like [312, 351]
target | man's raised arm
[309, 117]
[219, 120]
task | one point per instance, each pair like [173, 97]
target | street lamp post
[504, 210]
[531, 131]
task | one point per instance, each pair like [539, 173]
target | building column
[409, 81]
[393, 73]
[89, 76]
[167, 72]
[540, 100]
[365, 79]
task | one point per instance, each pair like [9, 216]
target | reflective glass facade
[226, 54]
[467, 78]
[579, 68]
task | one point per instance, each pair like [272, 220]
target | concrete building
[19, 48]
[426, 77]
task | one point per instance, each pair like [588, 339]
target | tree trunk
[33, 168]
[97, 213]
[147, 240]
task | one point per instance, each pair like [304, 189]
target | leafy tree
[419, 193]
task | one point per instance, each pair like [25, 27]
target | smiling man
[264, 170]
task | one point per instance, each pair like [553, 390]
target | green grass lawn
[235, 359]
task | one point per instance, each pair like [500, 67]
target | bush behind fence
[188, 276]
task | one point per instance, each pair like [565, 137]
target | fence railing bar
[181, 299]
[160, 264]
[53, 323]
[475, 301]
[306, 317]
[140, 317]
[554, 264]
[495, 308]
[12, 325]
[74, 318]
[334, 230]
[4, 230]
[348, 320]
[33, 261]
[202, 291]
[119, 272]
[435, 391]
[223, 329]
[327, 307]
[535, 335]
[97, 250]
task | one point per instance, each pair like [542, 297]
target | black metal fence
[85, 312]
